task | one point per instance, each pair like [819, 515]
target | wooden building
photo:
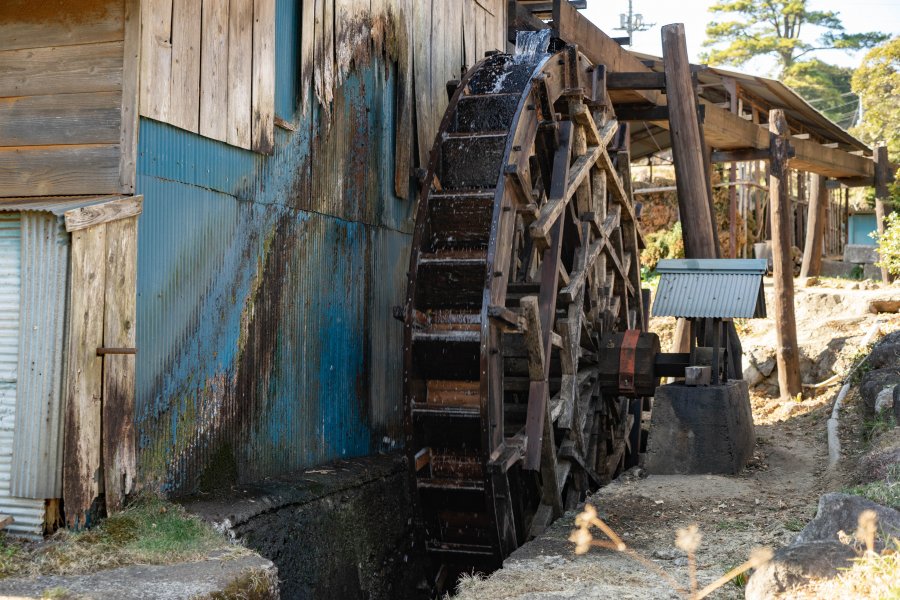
[271, 148]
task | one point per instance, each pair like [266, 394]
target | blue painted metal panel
[266, 286]
[861, 227]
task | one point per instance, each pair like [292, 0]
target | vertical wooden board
[453, 39]
[214, 70]
[81, 458]
[307, 51]
[263, 115]
[118, 369]
[439, 69]
[327, 65]
[402, 10]
[422, 73]
[184, 107]
[130, 97]
[469, 9]
[156, 58]
[240, 65]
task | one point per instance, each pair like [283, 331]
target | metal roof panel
[710, 288]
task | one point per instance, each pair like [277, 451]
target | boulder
[897, 406]
[885, 354]
[795, 565]
[840, 512]
[878, 463]
[767, 366]
[873, 383]
[752, 375]
[885, 399]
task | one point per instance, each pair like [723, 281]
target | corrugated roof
[710, 288]
[57, 205]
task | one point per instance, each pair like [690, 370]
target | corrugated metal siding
[265, 294]
[710, 288]
[28, 514]
[37, 454]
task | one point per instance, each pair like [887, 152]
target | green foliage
[889, 244]
[772, 28]
[665, 243]
[826, 87]
[877, 82]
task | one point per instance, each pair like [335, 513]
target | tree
[877, 82]
[773, 28]
[826, 87]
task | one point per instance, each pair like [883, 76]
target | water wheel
[525, 254]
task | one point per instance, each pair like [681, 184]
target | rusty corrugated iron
[265, 288]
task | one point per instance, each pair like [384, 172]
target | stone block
[860, 254]
[700, 429]
[836, 268]
[872, 272]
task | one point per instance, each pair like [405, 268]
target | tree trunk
[785, 323]
[815, 228]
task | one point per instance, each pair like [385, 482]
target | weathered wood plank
[118, 369]
[113, 210]
[156, 58]
[59, 170]
[307, 52]
[214, 70]
[60, 24]
[404, 127]
[91, 118]
[184, 105]
[61, 70]
[131, 64]
[240, 65]
[263, 112]
[533, 338]
[422, 73]
[84, 384]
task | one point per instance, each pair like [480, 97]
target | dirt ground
[765, 506]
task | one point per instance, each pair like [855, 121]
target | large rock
[885, 354]
[840, 512]
[795, 565]
[874, 382]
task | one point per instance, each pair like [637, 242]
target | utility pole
[632, 22]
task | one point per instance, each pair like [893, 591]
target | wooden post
[783, 266]
[882, 178]
[687, 147]
[815, 228]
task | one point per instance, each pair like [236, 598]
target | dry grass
[150, 531]
[872, 575]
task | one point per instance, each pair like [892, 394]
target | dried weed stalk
[687, 539]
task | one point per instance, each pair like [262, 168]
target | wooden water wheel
[525, 254]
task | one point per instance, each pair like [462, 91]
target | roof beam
[727, 131]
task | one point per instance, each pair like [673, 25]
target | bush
[889, 244]
[665, 243]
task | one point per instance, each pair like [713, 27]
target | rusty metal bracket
[101, 351]
[626, 360]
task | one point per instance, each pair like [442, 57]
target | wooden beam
[113, 210]
[787, 353]
[815, 228]
[882, 178]
[741, 155]
[533, 338]
[641, 80]
[571, 26]
[697, 224]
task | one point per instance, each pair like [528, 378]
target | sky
[857, 15]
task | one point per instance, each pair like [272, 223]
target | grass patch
[150, 531]
[879, 424]
[794, 524]
[728, 525]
